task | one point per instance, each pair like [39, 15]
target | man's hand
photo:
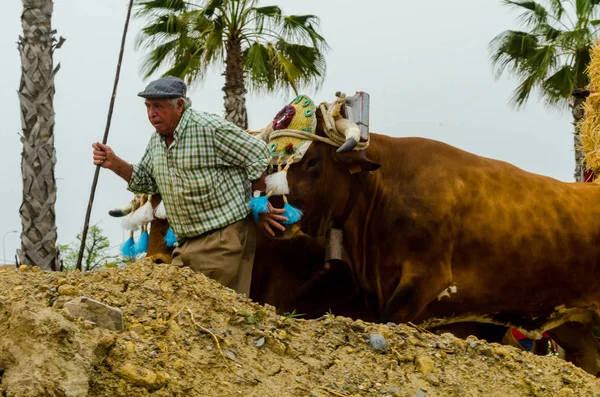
[104, 156]
[271, 220]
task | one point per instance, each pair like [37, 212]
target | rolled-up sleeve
[141, 180]
[237, 147]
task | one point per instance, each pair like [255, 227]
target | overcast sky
[424, 63]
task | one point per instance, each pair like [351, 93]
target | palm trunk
[36, 93]
[235, 92]
[578, 113]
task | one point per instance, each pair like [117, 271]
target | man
[205, 169]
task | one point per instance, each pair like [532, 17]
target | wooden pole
[104, 139]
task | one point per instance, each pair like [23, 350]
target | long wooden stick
[104, 139]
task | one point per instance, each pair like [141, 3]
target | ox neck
[351, 203]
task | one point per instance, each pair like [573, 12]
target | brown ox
[438, 235]
[290, 275]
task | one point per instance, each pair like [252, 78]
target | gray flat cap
[165, 87]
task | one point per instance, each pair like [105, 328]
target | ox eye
[312, 162]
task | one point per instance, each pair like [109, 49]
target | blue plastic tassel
[259, 205]
[170, 238]
[142, 244]
[128, 248]
[292, 213]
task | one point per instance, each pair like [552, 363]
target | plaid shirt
[204, 176]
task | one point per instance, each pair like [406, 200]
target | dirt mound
[187, 335]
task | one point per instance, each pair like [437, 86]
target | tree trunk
[235, 92]
[36, 93]
[578, 113]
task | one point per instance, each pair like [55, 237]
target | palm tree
[36, 93]
[263, 49]
[551, 55]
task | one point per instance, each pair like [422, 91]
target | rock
[377, 342]
[67, 290]
[276, 346]
[104, 316]
[434, 380]
[424, 364]
[419, 393]
[260, 342]
[142, 376]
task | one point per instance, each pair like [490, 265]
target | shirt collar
[183, 121]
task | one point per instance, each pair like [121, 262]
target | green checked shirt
[205, 176]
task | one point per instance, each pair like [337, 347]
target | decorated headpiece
[299, 115]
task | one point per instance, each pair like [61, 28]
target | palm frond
[159, 56]
[151, 8]
[278, 51]
[511, 48]
[559, 85]
[557, 8]
[583, 9]
[552, 53]
[522, 92]
[212, 6]
[214, 41]
[257, 63]
[533, 12]
[259, 14]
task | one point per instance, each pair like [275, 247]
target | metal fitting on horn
[350, 131]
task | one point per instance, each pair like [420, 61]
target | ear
[356, 161]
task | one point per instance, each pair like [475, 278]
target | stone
[104, 316]
[424, 364]
[67, 290]
[377, 342]
[142, 376]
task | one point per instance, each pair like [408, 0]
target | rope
[105, 138]
[330, 112]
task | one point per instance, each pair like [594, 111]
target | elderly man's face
[163, 115]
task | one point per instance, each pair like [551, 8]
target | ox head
[322, 181]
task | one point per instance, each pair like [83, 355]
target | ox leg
[583, 350]
[421, 283]
[157, 248]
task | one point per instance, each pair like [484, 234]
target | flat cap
[165, 87]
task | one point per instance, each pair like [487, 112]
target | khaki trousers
[225, 255]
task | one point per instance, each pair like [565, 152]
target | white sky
[424, 63]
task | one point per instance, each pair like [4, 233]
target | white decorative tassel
[277, 183]
[160, 212]
[144, 214]
[128, 223]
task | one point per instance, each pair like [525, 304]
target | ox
[290, 275]
[438, 235]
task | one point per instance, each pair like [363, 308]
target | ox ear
[356, 161]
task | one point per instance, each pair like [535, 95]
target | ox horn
[119, 212]
[350, 131]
